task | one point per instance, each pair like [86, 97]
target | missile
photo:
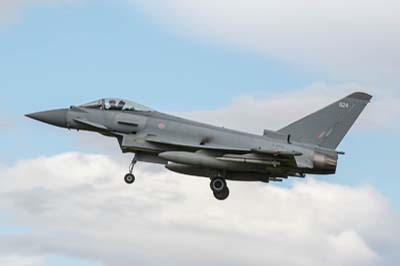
[283, 153]
[200, 160]
[230, 163]
[249, 160]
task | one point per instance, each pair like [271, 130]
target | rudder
[328, 126]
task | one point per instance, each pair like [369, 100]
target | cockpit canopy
[116, 104]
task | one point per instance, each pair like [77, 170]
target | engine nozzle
[325, 163]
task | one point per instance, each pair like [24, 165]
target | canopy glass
[116, 104]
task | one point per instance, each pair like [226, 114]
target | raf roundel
[161, 126]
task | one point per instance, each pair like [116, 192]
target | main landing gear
[129, 177]
[219, 187]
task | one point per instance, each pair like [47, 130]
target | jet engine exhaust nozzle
[325, 163]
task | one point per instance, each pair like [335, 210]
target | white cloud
[273, 111]
[21, 260]
[77, 205]
[343, 38]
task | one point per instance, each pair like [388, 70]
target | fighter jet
[307, 146]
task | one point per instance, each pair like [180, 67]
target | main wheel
[222, 195]
[129, 178]
[217, 184]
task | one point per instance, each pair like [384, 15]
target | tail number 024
[344, 105]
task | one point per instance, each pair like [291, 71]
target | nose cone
[52, 117]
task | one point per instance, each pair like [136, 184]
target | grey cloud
[341, 38]
[15, 259]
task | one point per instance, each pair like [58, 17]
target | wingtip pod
[361, 96]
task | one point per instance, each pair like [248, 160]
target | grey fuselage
[305, 146]
[149, 134]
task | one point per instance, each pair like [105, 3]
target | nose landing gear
[219, 187]
[130, 178]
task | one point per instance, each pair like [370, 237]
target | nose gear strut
[130, 177]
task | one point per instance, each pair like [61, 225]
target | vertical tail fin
[328, 126]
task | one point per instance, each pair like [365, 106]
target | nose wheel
[219, 188]
[129, 177]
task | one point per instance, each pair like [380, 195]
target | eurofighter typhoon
[307, 146]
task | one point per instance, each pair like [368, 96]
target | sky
[249, 65]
